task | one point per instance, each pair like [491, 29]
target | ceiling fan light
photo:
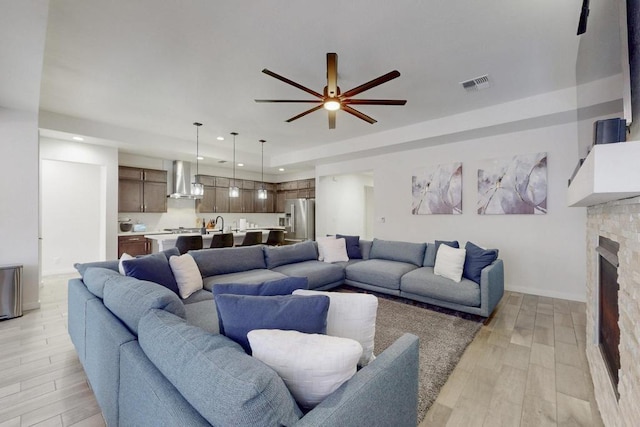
[331, 104]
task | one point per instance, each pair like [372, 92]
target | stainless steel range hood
[182, 181]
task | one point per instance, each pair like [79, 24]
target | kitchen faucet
[222, 229]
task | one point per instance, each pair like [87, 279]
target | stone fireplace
[615, 223]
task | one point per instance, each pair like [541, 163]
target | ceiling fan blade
[292, 83]
[358, 114]
[371, 84]
[332, 119]
[375, 101]
[311, 110]
[332, 75]
[315, 101]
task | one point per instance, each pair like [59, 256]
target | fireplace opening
[608, 328]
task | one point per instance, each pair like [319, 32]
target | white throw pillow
[187, 274]
[321, 246]
[450, 262]
[311, 365]
[125, 256]
[351, 315]
[335, 250]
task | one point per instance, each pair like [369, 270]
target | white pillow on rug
[334, 250]
[125, 257]
[351, 315]
[450, 262]
[311, 365]
[187, 274]
[320, 241]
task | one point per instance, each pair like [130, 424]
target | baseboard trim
[31, 305]
[546, 293]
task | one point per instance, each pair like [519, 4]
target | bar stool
[187, 243]
[275, 237]
[222, 240]
[252, 238]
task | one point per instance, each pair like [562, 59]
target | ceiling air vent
[476, 84]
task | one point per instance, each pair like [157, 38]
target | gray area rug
[443, 339]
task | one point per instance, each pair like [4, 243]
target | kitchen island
[161, 242]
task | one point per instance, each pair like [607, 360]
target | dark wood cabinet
[216, 195]
[142, 190]
[133, 245]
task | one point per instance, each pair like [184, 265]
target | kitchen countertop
[140, 233]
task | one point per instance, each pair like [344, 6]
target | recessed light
[240, 164]
[77, 138]
[200, 158]
[281, 169]
[220, 138]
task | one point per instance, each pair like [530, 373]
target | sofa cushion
[276, 256]
[95, 278]
[432, 250]
[203, 315]
[379, 272]
[284, 286]
[153, 268]
[449, 262]
[83, 267]
[318, 273]
[226, 386]
[240, 314]
[333, 250]
[228, 260]
[185, 271]
[312, 366]
[353, 245]
[407, 252]
[250, 277]
[130, 299]
[422, 281]
[477, 259]
[351, 315]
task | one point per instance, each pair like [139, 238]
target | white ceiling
[149, 68]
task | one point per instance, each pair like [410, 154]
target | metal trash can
[10, 291]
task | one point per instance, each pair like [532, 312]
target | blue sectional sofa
[155, 360]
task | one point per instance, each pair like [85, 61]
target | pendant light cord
[262, 141]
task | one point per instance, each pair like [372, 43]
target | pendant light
[234, 191]
[262, 193]
[197, 189]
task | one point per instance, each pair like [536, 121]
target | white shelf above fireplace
[610, 172]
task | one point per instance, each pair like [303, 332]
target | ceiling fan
[332, 99]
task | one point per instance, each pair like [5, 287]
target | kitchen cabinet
[266, 205]
[133, 245]
[215, 199]
[245, 203]
[142, 190]
[280, 202]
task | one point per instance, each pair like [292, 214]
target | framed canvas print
[513, 185]
[437, 190]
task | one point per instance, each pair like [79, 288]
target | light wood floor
[526, 367]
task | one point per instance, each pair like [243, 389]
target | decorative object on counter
[234, 191]
[262, 192]
[203, 229]
[197, 189]
[139, 227]
[126, 226]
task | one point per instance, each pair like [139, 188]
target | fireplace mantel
[610, 172]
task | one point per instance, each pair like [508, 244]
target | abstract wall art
[437, 190]
[515, 185]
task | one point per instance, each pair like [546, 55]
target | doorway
[72, 216]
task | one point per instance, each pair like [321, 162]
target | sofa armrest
[491, 287]
[385, 392]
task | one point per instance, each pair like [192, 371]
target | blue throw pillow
[476, 259]
[284, 286]
[153, 268]
[353, 245]
[243, 313]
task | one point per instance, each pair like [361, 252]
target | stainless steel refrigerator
[300, 219]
